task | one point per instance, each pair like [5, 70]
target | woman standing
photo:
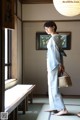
[54, 67]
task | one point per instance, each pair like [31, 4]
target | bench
[15, 96]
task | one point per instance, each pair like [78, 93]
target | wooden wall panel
[8, 13]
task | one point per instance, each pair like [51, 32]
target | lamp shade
[67, 7]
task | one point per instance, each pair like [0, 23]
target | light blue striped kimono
[53, 61]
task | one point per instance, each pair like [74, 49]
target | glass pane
[6, 72]
[6, 46]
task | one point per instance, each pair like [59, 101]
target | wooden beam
[35, 1]
[2, 81]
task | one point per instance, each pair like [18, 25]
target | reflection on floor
[36, 111]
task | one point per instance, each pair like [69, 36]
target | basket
[65, 80]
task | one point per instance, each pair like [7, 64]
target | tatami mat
[37, 110]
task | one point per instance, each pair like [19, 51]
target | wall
[17, 51]
[34, 61]
[19, 41]
[42, 12]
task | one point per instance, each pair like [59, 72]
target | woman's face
[49, 30]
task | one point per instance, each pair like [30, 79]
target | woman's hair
[50, 24]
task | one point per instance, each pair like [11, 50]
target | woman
[54, 67]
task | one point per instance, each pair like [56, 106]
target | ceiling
[35, 1]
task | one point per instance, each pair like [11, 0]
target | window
[8, 52]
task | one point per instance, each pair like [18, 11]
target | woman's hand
[61, 69]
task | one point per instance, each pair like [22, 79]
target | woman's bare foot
[62, 112]
[78, 114]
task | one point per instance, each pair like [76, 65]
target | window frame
[9, 55]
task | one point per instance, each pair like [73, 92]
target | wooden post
[2, 82]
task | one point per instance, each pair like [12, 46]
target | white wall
[34, 61]
[42, 12]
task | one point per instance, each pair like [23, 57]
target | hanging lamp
[67, 7]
